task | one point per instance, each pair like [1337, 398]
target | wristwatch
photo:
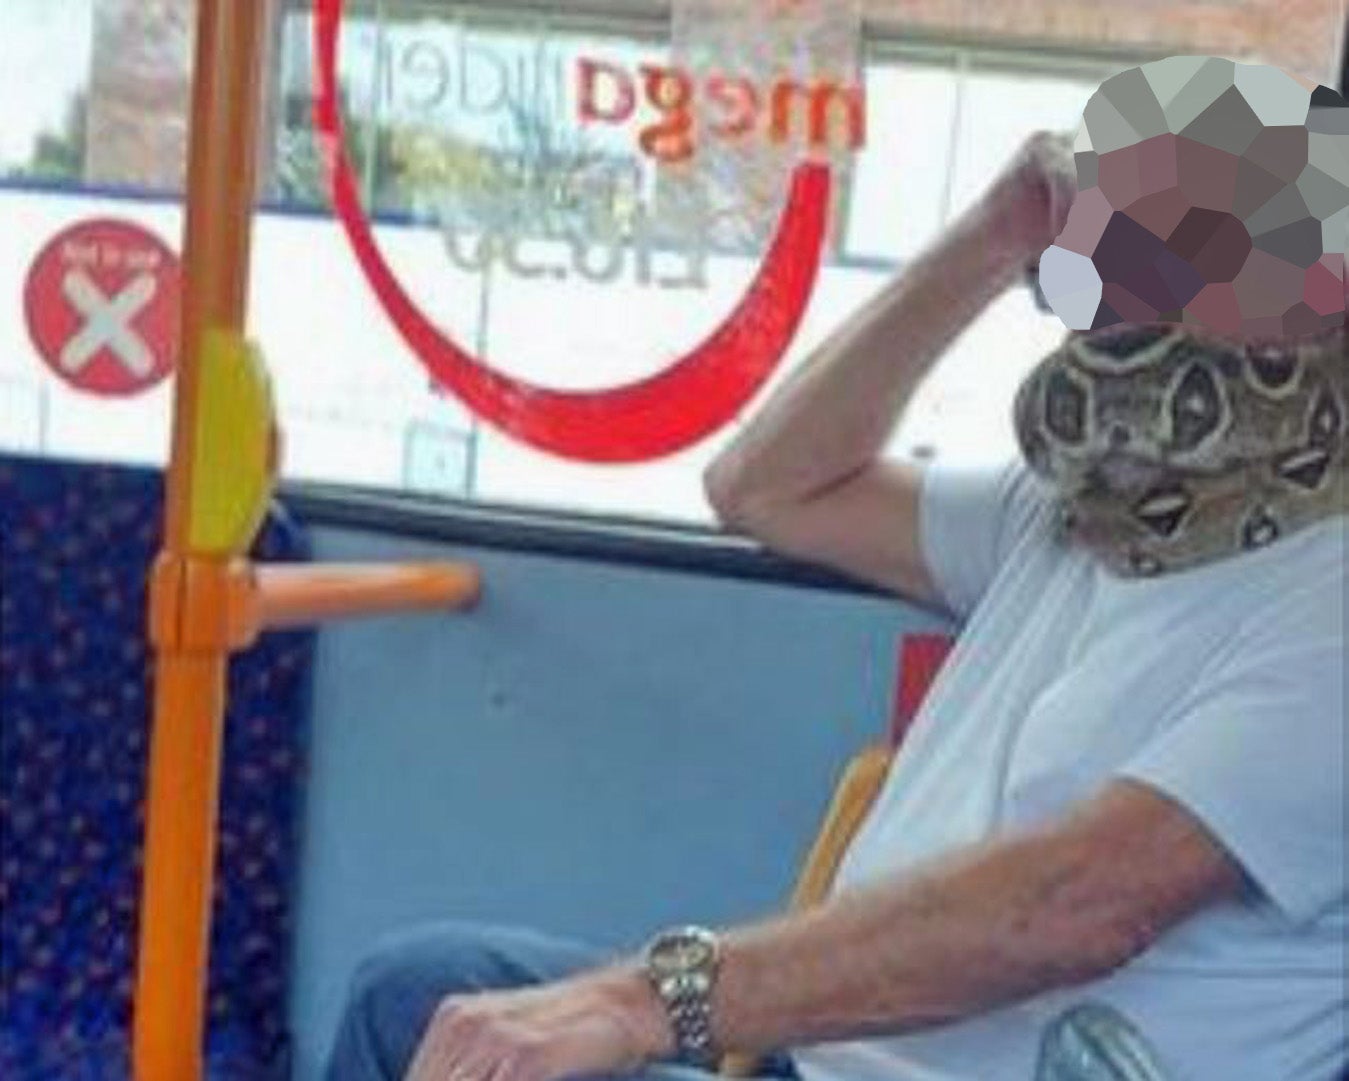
[681, 964]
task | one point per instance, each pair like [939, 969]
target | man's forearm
[836, 414]
[903, 956]
[986, 927]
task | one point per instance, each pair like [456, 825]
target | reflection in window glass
[529, 237]
[964, 409]
[43, 133]
[900, 189]
[998, 109]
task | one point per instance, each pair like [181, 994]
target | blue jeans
[395, 994]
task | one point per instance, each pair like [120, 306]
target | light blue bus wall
[596, 750]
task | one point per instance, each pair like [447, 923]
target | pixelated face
[1211, 194]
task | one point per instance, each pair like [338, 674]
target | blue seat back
[76, 543]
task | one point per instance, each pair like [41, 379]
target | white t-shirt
[1221, 686]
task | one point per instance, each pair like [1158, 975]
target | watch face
[688, 950]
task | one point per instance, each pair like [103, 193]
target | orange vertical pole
[190, 679]
[218, 234]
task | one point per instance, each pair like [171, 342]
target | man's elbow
[718, 490]
[737, 507]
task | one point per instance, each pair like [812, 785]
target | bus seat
[76, 542]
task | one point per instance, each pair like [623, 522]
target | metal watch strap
[691, 1020]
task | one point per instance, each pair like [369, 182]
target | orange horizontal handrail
[292, 596]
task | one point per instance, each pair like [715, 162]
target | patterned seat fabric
[76, 542]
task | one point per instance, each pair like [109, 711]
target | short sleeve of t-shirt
[970, 519]
[1257, 749]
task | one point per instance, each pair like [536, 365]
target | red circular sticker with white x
[101, 303]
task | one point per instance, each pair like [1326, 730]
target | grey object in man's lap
[1092, 1042]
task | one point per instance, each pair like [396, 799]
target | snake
[1168, 448]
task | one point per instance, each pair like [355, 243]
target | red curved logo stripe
[673, 409]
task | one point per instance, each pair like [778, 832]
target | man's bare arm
[986, 927]
[807, 477]
[990, 926]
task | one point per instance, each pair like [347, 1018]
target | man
[1125, 791]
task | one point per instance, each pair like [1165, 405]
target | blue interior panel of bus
[596, 751]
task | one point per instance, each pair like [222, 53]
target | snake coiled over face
[1170, 449]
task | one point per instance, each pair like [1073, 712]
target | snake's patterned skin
[1170, 449]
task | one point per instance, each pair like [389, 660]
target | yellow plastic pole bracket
[236, 447]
